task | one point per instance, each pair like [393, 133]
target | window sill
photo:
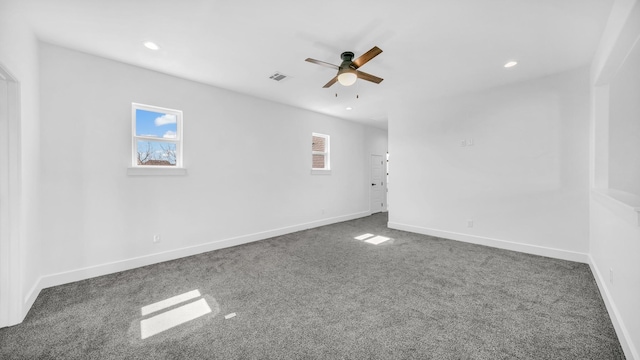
[625, 205]
[320, 172]
[156, 171]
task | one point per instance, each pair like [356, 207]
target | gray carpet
[321, 294]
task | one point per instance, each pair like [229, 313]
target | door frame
[11, 305]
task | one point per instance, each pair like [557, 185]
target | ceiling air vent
[278, 76]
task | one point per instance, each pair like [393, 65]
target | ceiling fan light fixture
[347, 77]
[347, 71]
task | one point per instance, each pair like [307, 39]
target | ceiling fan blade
[322, 63]
[364, 58]
[364, 76]
[331, 82]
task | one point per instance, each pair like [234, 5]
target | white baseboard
[31, 297]
[132, 263]
[496, 243]
[630, 352]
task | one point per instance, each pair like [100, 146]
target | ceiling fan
[348, 71]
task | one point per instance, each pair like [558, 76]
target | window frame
[326, 154]
[178, 141]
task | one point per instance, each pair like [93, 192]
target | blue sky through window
[158, 125]
[154, 124]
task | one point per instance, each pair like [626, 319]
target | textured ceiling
[431, 48]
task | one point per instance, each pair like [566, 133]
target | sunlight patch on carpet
[168, 319]
[363, 237]
[171, 318]
[377, 240]
[372, 239]
[161, 305]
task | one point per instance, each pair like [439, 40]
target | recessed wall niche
[624, 125]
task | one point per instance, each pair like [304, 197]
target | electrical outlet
[611, 276]
[156, 239]
[470, 223]
[463, 142]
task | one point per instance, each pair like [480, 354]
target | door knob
[373, 184]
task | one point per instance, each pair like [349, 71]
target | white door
[377, 183]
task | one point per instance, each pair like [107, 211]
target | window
[320, 152]
[157, 136]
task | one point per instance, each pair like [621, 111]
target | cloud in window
[166, 119]
[169, 135]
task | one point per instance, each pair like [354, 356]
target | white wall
[523, 182]
[614, 226]
[248, 164]
[19, 55]
[615, 245]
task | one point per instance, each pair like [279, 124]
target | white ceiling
[431, 48]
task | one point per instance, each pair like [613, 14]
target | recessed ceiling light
[511, 63]
[349, 108]
[151, 45]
